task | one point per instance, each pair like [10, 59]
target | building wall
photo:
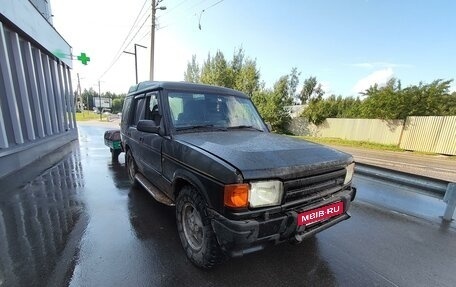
[37, 113]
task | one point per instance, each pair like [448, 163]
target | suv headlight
[265, 193]
[350, 171]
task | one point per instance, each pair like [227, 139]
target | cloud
[378, 65]
[380, 77]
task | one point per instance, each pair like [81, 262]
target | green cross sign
[83, 58]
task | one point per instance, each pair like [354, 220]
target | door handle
[141, 139]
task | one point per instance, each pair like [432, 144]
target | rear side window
[139, 110]
[126, 110]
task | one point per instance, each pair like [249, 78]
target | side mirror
[147, 126]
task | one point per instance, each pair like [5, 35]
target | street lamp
[152, 35]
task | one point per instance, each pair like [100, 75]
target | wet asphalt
[79, 223]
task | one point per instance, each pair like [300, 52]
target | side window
[153, 108]
[126, 110]
[139, 110]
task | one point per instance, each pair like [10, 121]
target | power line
[121, 48]
[145, 35]
[142, 25]
[195, 14]
[171, 9]
[187, 16]
[213, 5]
[120, 54]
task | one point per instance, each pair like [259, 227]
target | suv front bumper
[239, 237]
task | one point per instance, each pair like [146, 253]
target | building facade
[37, 107]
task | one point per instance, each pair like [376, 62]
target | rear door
[151, 143]
[138, 107]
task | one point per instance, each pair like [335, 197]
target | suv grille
[313, 187]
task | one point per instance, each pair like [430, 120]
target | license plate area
[319, 214]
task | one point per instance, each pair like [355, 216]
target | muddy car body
[236, 186]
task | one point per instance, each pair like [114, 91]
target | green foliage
[192, 74]
[393, 102]
[216, 71]
[311, 91]
[241, 73]
[87, 98]
[293, 83]
[117, 105]
[351, 143]
[389, 102]
[384, 103]
[271, 104]
[333, 107]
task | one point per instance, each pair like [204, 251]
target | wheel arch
[182, 178]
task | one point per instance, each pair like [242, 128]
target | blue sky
[347, 45]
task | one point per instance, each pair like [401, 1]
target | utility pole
[152, 35]
[136, 59]
[99, 97]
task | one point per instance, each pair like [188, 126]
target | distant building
[37, 107]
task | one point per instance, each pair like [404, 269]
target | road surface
[81, 224]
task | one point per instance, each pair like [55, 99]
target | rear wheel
[195, 230]
[131, 168]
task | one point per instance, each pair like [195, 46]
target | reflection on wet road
[36, 221]
[81, 224]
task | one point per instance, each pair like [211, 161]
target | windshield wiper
[244, 127]
[200, 127]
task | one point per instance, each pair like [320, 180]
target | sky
[348, 45]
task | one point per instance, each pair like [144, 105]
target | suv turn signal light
[236, 195]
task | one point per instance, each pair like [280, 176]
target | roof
[192, 87]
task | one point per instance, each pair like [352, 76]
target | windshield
[198, 110]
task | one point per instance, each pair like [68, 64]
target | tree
[333, 107]
[293, 83]
[192, 74]
[87, 98]
[393, 102]
[215, 71]
[387, 102]
[246, 76]
[117, 104]
[271, 104]
[311, 90]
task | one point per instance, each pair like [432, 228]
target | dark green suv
[237, 187]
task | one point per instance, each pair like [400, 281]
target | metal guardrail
[440, 189]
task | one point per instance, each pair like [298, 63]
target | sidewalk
[433, 166]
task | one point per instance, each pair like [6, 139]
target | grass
[89, 116]
[350, 143]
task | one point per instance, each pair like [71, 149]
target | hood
[265, 155]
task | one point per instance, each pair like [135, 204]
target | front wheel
[131, 168]
[195, 230]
